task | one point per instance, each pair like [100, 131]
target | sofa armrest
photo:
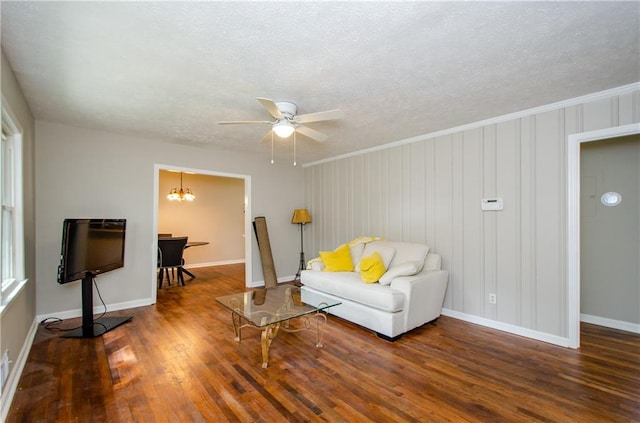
[424, 294]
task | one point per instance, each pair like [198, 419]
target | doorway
[573, 220]
[203, 207]
[609, 233]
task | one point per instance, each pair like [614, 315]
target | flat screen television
[91, 247]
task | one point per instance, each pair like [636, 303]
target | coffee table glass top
[267, 306]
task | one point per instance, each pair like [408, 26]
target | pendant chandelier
[182, 194]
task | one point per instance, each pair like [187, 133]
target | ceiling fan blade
[319, 116]
[312, 133]
[245, 122]
[271, 107]
[268, 137]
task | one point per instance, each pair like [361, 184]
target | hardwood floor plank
[177, 361]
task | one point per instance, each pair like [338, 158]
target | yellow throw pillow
[338, 260]
[372, 268]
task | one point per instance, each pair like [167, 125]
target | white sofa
[408, 295]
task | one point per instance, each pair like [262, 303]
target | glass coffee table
[272, 309]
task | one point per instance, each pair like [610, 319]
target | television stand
[93, 328]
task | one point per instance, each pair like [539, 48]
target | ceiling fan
[287, 121]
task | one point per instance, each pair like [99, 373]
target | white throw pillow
[318, 266]
[385, 252]
[356, 255]
[408, 268]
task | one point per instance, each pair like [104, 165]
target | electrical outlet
[492, 298]
[4, 368]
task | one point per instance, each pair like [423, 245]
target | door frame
[157, 167]
[573, 219]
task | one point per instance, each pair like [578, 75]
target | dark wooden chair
[170, 257]
[166, 235]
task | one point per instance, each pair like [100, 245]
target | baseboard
[9, 389]
[213, 263]
[14, 376]
[610, 323]
[260, 284]
[70, 314]
[505, 327]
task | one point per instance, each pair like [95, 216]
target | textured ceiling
[172, 70]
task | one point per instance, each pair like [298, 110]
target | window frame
[11, 196]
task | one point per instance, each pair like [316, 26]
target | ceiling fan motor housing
[288, 109]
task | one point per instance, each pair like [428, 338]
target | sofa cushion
[348, 285]
[385, 251]
[405, 251]
[315, 264]
[433, 262]
[338, 260]
[356, 254]
[371, 268]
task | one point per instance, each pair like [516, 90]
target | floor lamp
[301, 217]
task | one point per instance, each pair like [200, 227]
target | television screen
[91, 246]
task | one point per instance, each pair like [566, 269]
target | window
[11, 218]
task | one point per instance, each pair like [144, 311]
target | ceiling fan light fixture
[283, 129]
[288, 122]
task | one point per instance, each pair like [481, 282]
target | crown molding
[625, 89]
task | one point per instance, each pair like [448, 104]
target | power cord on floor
[49, 323]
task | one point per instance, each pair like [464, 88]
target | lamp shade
[283, 129]
[301, 216]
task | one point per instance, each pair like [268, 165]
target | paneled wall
[429, 190]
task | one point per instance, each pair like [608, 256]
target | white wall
[215, 216]
[429, 189]
[17, 320]
[87, 173]
[610, 236]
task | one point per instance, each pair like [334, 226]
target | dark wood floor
[177, 362]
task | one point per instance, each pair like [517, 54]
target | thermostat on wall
[492, 204]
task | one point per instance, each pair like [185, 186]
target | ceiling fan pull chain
[294, 148]
[271, 147]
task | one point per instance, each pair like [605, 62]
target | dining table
[189, 245]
